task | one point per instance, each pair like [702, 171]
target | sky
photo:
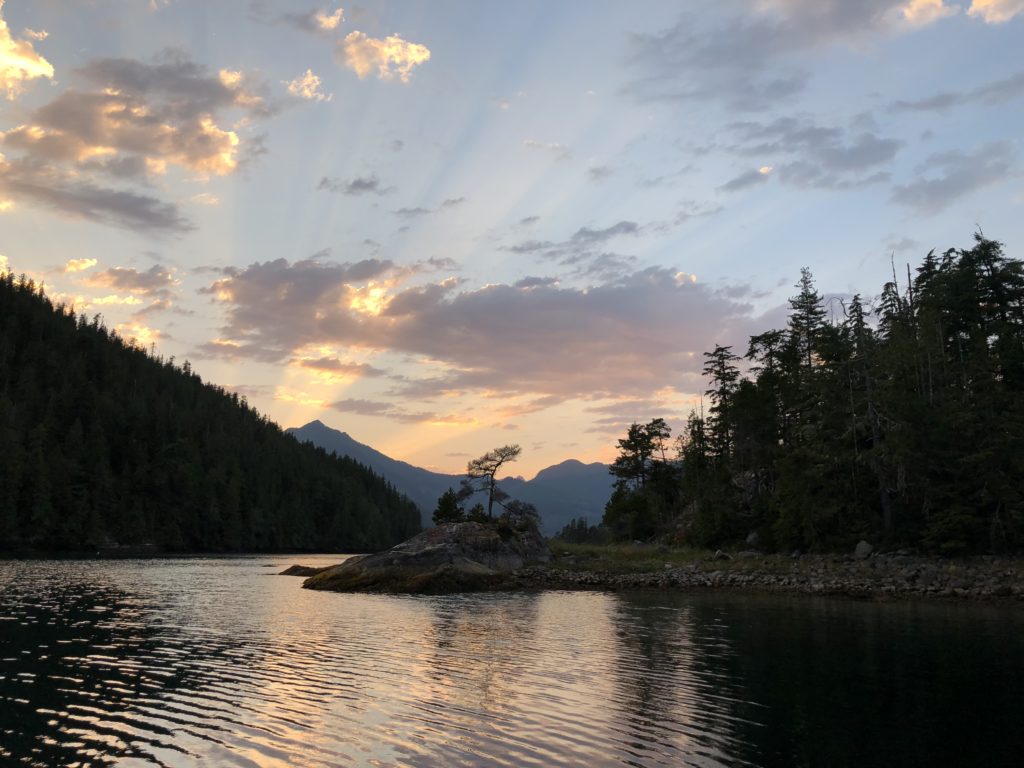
[448, 226]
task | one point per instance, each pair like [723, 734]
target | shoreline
[154, 554]
[881, 577]
[878, 577]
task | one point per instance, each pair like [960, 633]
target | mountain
[103, 445]
[420, 485]
[560, 492]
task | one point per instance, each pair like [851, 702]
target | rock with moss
[454, 557]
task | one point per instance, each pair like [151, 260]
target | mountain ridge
[561, 492]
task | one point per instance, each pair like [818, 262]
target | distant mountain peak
[560, 492]
[318, 425]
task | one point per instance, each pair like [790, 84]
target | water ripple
[206, 662]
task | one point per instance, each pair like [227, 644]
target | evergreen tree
[448, 508]
[906, 428]
[484, 471]
[103, 445]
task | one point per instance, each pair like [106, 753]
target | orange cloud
[19, 61]
[307, 86]
[141, 334]
[996, 11]
[390, 57]
[922, 12]
[79, 265]
[329, 21]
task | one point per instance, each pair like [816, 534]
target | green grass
[631, 558]
[620, 558]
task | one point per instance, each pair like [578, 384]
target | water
[215, 661]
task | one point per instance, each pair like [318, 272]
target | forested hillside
[900, 423]
[103, 445]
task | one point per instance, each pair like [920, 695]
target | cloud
[996, 11]
[307, 86]
[948, 176]
[115, 300]
[140, 334]
[360, 185]
[411, 213]
[287, 291]
[923, 12]
[433, 264]
[616, 416]
[79, 265]
[597, 173]
[391, 411]
[692, 209]
[561, 150]
[329, 21]
[996, 92]
[205, 198]
[67, 194]
[627, 335]
[590, 236]
[316, 21]
[827, 157]
[747, 179]
[135, 120]
[156, 285]
[535, 282]
[901, 244]
[755, 58]
[390, 57]
[333, 368]
[583, 250]
[363, 407]
[153, 114]
[155, 281]
[417, 212]
[19, 61]
[666, 179]
[582, 237]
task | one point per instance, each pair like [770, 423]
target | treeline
[102, 444]
[902, 424]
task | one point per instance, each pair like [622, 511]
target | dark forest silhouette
[103, 444]
[905, 428]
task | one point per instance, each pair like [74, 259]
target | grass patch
[621, 558]
[645, 558]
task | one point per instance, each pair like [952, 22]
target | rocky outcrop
[455, 557]
[469, 556]
[302, 570]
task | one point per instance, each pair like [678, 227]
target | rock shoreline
[878, 577]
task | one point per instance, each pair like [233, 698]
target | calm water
[218, 662]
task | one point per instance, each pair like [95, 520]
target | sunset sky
[445, 226]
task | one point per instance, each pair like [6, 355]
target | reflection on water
[218, 662]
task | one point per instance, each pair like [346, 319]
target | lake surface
[215, 661]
